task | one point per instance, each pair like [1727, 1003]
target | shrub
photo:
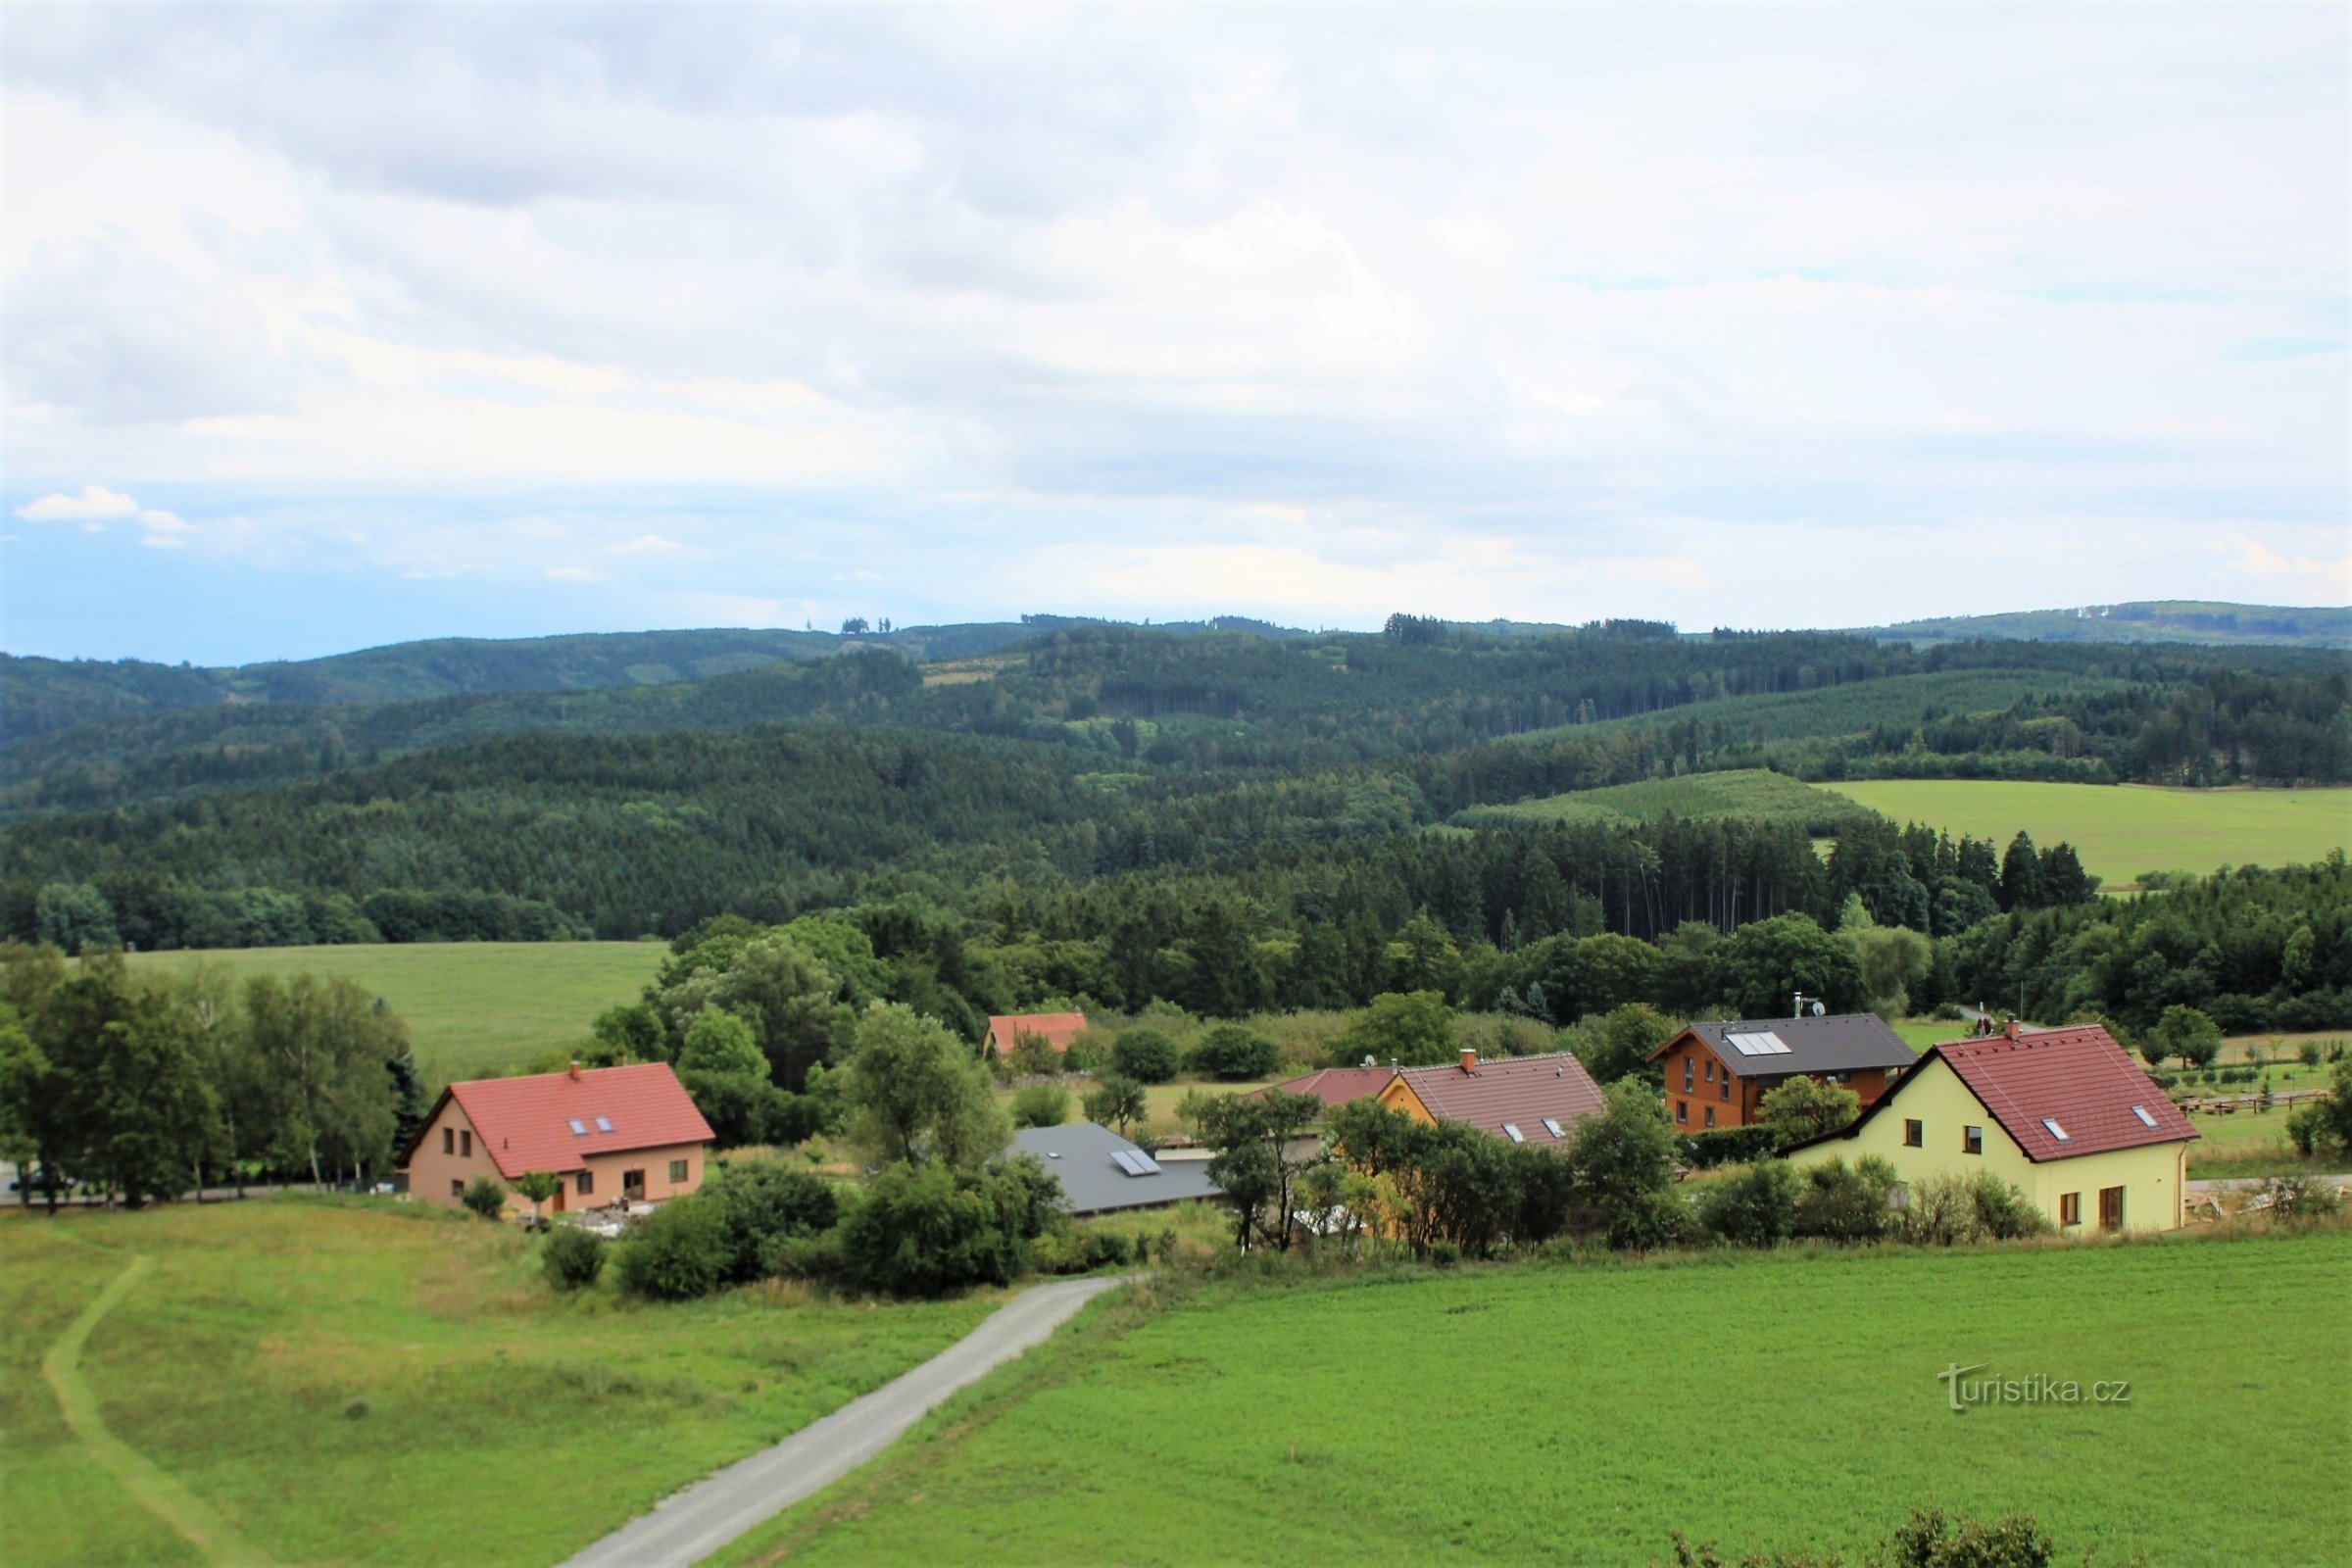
[1117, 1101]
[485, 1197]
[2301, 1199]
[1802, 1109]
[2308, 1052]
[765, 1201]
[1929, 1539]
[1624, 1163]
[1031, 1056]
[1727, 1146]
[1146, 1056]
[1756, 1207]
[1946, 1013]
[1232, 1053]
[800, 1256]
[1041, 1106]
[2002, 1213]
[1104, 1251]
[1844, 1204]
[1946, 1211]
[572, 1257]
[678, 1253]
[927, 1231]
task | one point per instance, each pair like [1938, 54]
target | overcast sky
[328, 327]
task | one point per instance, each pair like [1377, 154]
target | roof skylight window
[1510, 1130]
[2056, 1131]
[1551, 1125]
[603, 1126]
[2141, 1111]
[578, 1128]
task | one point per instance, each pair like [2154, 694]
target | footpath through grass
[351, 1383]
[472, 1007]
[1576, 1415]
[2125, 830]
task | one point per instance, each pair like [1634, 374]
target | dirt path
[688, 1526]
[140, 1476]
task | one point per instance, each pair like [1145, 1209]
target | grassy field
[351, 1384]
[471, 1007]
[1576, 1415]
[1754, 793]
[2123, 830]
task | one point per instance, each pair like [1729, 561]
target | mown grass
[473, 1008]
[1575, 1415]
[2122, 831]
[349, 1381]
[1754, 794]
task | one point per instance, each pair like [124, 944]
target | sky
[324, 327]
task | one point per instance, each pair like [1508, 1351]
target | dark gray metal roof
[1842, 1042]
[1080, 1155]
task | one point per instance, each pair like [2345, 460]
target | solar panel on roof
[1510, 1130]
[1134, 1162]
[2141, 1111]
[1760, 1042]
[1148, 1165]
[577, 1129]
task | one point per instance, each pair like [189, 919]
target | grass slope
[2125, 830]
[500, 1424]
[1854, 707]
[473, 1008]
[1575, 1416]
[2162, 620]
[1754, 793]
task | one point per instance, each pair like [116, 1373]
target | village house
[2064, 1115]
[1528, 1100]
[1102, 1173]
[612, 1134]
[1717, 1072]
[1006, 1031]
[1334, 1086]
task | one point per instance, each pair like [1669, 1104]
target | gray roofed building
[1777, 1047]
[1102, 1172]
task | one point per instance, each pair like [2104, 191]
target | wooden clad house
[2064, 1115]
[1717, 1072]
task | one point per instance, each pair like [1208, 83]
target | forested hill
[2160, 620]
[42, 696]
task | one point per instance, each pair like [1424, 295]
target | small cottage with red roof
[1006, 1031]
[1334, 1086]
[613, 1134]
[2064, 1115]
[1527, 1100]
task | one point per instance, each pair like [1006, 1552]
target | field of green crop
[339, 1382]
[1576, 1415]
[471, 1007]
[1754, 793]
[2123, 830]
[1854, 707]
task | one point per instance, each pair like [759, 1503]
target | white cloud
[94, 504]
[574, 574]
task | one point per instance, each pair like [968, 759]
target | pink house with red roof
[2064, 1115]
[612, 1134]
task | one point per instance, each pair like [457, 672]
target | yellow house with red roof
[2064, 1115]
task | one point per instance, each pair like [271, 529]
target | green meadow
[354, 1382]
[473, 1008]
[2123, 830]
[1753, 792]
[1576, 1415]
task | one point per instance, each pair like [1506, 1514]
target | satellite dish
[1819, 1010]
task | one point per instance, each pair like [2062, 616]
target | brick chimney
[2013, 1029]
[1469, 1059]
[575, 1072]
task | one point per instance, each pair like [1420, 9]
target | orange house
[1526, 1099]
[1717, 1072]
[613, 1135]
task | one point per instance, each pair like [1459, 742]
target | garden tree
[1845, 1204]
[536, 1186]
[1414, 1028]
[1031, 1056]
[2323, 1127]
[1260, 1149]
[764, 1203]
[914, 1092]
[485, 1195]
[1148, 1055]
[1041, 1106]
[775, 986]
[74, 918]
[679, 1252]
[1804, 1108]
[572, 1257]
[1760, 966]
[627, 1033]
[136, 1113]
[1618, 1044]
[1347, 1203]
[925, 1231]
[1624, 1168]
[410, 1105]
[847, 953]
[243, 1092]
[323, 1045]
[2063, 879]
[1117, 1101]
[1233, 1053]
[2187, 1033]
[1891, 959]
[1367, 1136]
[721, 1043]
[1752, 1208]
[32, 1131]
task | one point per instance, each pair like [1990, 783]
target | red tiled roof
[1337, 1086]
[526, 1123]
[1520, 1089]
[1055, 1029]
[2076, 1077]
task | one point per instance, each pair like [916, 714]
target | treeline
[1221, 702]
